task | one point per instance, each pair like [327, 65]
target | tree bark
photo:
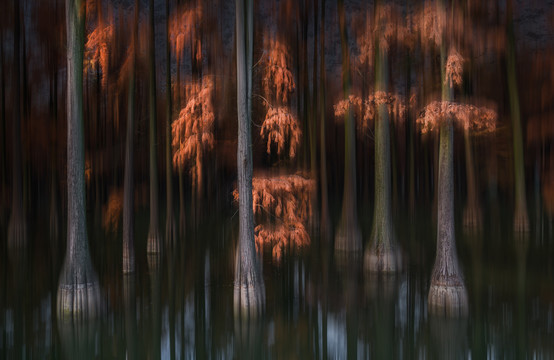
[170, 229]
[129, 185]
[153, 245]
[249, 291]
[78, 290]
[382, 255]
[17, 229]
[348, 236]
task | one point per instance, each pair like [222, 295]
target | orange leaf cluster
[476, 119]
[281, 238]
[286, 199]
[192, 131]
[277, 79]
[97, 49]
[367, 109]
[112, 211]
[181, 30]
[454, 68]
[281, 127]
[430, 22]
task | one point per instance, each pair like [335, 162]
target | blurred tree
[78, 290]
[249, 292]
[17, 228]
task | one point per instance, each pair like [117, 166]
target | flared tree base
[17, 232]
[448, 300]
[79, 296]
[348, 238]
[382, 259]
[249, 295]
[128, 261]
[521, 221]
[153, 243]
[473, 219]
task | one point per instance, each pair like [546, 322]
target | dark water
[319, 304]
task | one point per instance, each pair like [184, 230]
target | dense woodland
[310, 122]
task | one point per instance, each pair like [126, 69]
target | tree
[153, 245]
[249, 291]
[348, 236]
[129, 183]
[78, 289]
[447, 293]
[17, 229]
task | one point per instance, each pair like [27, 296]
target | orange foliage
[112, 211]
[367, 109]
[286, 199]
[182, 29]
[430, 22]
[97, 49]
[277, 79]
[192, 132]
[280, 127]
[454, 68]
[476, 119]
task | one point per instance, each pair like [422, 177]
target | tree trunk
[521, 220]
[325, 223]
[472, 214]
[382, 255]
[78, 290]
[153, 245]
[17, 229]
[129, 185]
[447, 294]
[170, 229]
[249, 291]
[348, 236]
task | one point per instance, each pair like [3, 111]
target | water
[318, 304]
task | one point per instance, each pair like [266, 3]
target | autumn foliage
[365, 110]
[97, 49]
[283, 204]
[470, 117]
[280, 126]
[111, 214]
[182, 28]
[192, 132]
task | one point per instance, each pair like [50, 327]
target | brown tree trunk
[129, 183]
[17, 229]
[348, 236]
[170, 229]
[249, 292]
[78, 290]
[153, 245]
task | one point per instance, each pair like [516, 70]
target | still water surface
[319, 304]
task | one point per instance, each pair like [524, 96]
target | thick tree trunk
[129, 183]
[447, 294]
[382, 255]
[348, 236]
[249, 292]
[153, 245]
[17, 229]
[521, 219]
[78, 290]
[170, 229]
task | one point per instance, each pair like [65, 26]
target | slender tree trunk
[153, 245]
[382, 255]
[249, 292]
[170, 229]
[130, 313]
[78, 290]
[17, 229]
[348, 236]
[129, 183]
[521, 219]
[325, 223]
